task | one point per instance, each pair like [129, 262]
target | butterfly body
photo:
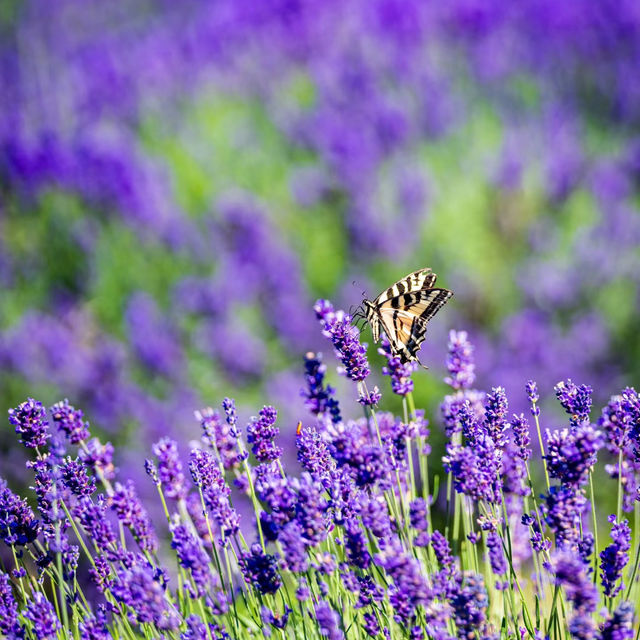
[403, 310]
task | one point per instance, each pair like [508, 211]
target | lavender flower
[42, 615]
[9, 625]
[192, 557]
[294, 548]
[570, 573]
[576, 400]
[310, 510]
[619, 626]
[131, 513]
[615, 557]
[534, 396]
[259, 570]
[139, 587]
[30, 421]
[571, 455]
[222, 436]
[419, 521]
[563, 511]
[336, 326]
[170, 468]
[261, 433]
[313, 453]
[76, 478]
[328, 621]
[18, 525]
[470, 604]
[99, 458]
[319, 400]
[356, 545]
[92, 516]
[400, 373]
[94, 627]
[70, 421]
[460, 362]
[521, 438]
[496, 554]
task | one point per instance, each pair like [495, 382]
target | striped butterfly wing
[404, 319]
[416, 281]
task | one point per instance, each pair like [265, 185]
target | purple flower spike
[69, 420]
[319, 400]
[30, 421]
[18, 525]
[576, 400]
[170, 468]
[131, 513]
[9, 625]
[76, 478]
[42, 615]
[328, 621]
[571, 455]
[261, 433]
[259, 570]
[400, 374]
[615, 557]
[192, 557]
[313, 453]
[521, 437]
[620, 625]
[534, 396]
[460, 362]
[336, 325]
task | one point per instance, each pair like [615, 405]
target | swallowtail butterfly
[403, 310]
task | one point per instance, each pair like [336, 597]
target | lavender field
[184, 187]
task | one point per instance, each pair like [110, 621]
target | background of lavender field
[181, 182]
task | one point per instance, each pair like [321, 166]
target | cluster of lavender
[349, 101]
[357, 545]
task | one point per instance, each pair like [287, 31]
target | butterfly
[403, 311]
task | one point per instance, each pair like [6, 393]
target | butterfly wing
[404, 319]
[416, 281]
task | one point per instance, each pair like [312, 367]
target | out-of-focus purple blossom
[409, 585]
[460, 362]
[192, 557]
[261, 433]
[275, 620]
[328, 621]
[70, 421]
[615, 557]
[94, 627]
[222, 436]
[42, 616]
[356, 545]
[259, 570]
[9, 624]
[99, 457]
[572, 454]
[130, 511]
[562, 511]
[400, 373]
[576, 400]
[619, 626]
[93, 517]
[18, 525]
[585, 547]
[371, 626]
[337, 327]
[101, 573]
[470, 604]
[153, 339]
[571, 574]
[418, 517]
[294, 549]
[319, 399]
[139, 587]
[170, 468]
[76, 478]
[30, 421]
[496, 554]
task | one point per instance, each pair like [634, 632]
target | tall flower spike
[9, 625]
[70, 421]
[576, 401]
[30, 421]
[319, 400]
[170, 468]
[400, 373]
[41, 614]
[328, 621]
[615, 557]
[261, 433]
[337, 327]
[259, 570]
[460, 362]
[18, 525]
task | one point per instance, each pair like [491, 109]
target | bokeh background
[180, 181]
